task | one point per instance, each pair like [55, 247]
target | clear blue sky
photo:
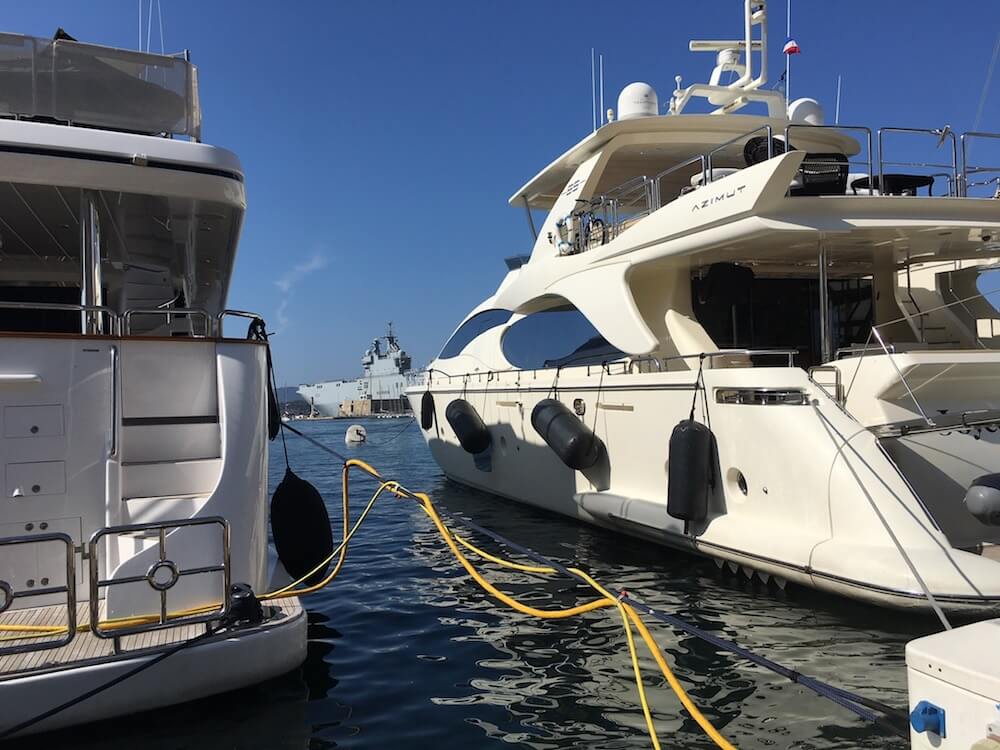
[381, 140]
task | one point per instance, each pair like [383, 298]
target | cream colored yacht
[753, 336]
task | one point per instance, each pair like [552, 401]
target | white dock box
[954, 688]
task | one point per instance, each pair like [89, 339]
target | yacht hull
[799, 489]
[218, 664]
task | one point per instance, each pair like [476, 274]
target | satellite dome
[806, 111]
[637, 100]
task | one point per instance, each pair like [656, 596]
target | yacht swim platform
[87, 648]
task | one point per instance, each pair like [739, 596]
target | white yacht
[757, 337]
[134, 433]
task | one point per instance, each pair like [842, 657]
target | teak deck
[87, 647]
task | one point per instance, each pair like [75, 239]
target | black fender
[566, 434]
[468, 426]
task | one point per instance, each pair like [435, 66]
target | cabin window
[742, 310]
[557, 337]
[478, 324]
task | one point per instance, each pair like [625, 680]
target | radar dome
[637, 100]
[806, 111]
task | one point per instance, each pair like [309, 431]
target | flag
[791, 47]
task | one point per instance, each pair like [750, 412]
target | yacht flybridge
[134, 433]
[754, 336]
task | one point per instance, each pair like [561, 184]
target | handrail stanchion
[942, 134]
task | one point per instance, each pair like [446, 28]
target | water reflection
[405, 650]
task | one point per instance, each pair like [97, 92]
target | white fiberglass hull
[815, 484]
[221, 663]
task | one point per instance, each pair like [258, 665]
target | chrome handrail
[941, 133]
[633, 361]
[770, 145]
[790, 353]
[838, 383]
[236, 314]
[966, 171]
[868, 142]
[113, 316]
[658, 178]
[69, 588]
[163, 617]
[168, 312]
[114, 401]
[849, 351]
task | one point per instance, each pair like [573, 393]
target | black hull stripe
[146, 421]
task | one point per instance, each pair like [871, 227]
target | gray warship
[379, 390]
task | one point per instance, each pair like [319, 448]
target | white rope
[885, 522]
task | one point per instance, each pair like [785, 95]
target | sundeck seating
[820, 174]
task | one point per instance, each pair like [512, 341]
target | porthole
[738, 485]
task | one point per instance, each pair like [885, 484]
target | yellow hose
[692, 709]
[545, 614]
[500, 561]
[452, 540]
[630, 615]
[632, 653]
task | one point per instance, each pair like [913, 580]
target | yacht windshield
[470, 329]
[557, 337]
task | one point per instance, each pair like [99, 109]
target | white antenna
[602, 89]
[159, 18]
[149, 26]
[788, 58]
[140, 26]
[593, 87]
[836, 118]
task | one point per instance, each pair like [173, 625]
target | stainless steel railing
[193, 312]
[9, 593]
[975, 169]
[120, 324]
[867, 163]
[161, 577]
[788, 353]
[113, 318]
[957, 171]
[766, 129]
[942, 134]
[220, 318]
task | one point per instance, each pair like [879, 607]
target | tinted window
[556, 337]
[477, 324]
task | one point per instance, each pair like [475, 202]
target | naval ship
[380, 389]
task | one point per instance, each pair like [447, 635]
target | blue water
[406, 651]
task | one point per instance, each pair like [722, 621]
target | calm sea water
[406, 651]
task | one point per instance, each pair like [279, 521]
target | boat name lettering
[573, 187]
[717, 198]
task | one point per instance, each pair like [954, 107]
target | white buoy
[355, 435]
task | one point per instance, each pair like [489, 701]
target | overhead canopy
[655, 144]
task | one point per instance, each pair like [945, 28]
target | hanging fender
[427, 410]
[689, 471]
[300, 526]
[566, 434]
[468, 426]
